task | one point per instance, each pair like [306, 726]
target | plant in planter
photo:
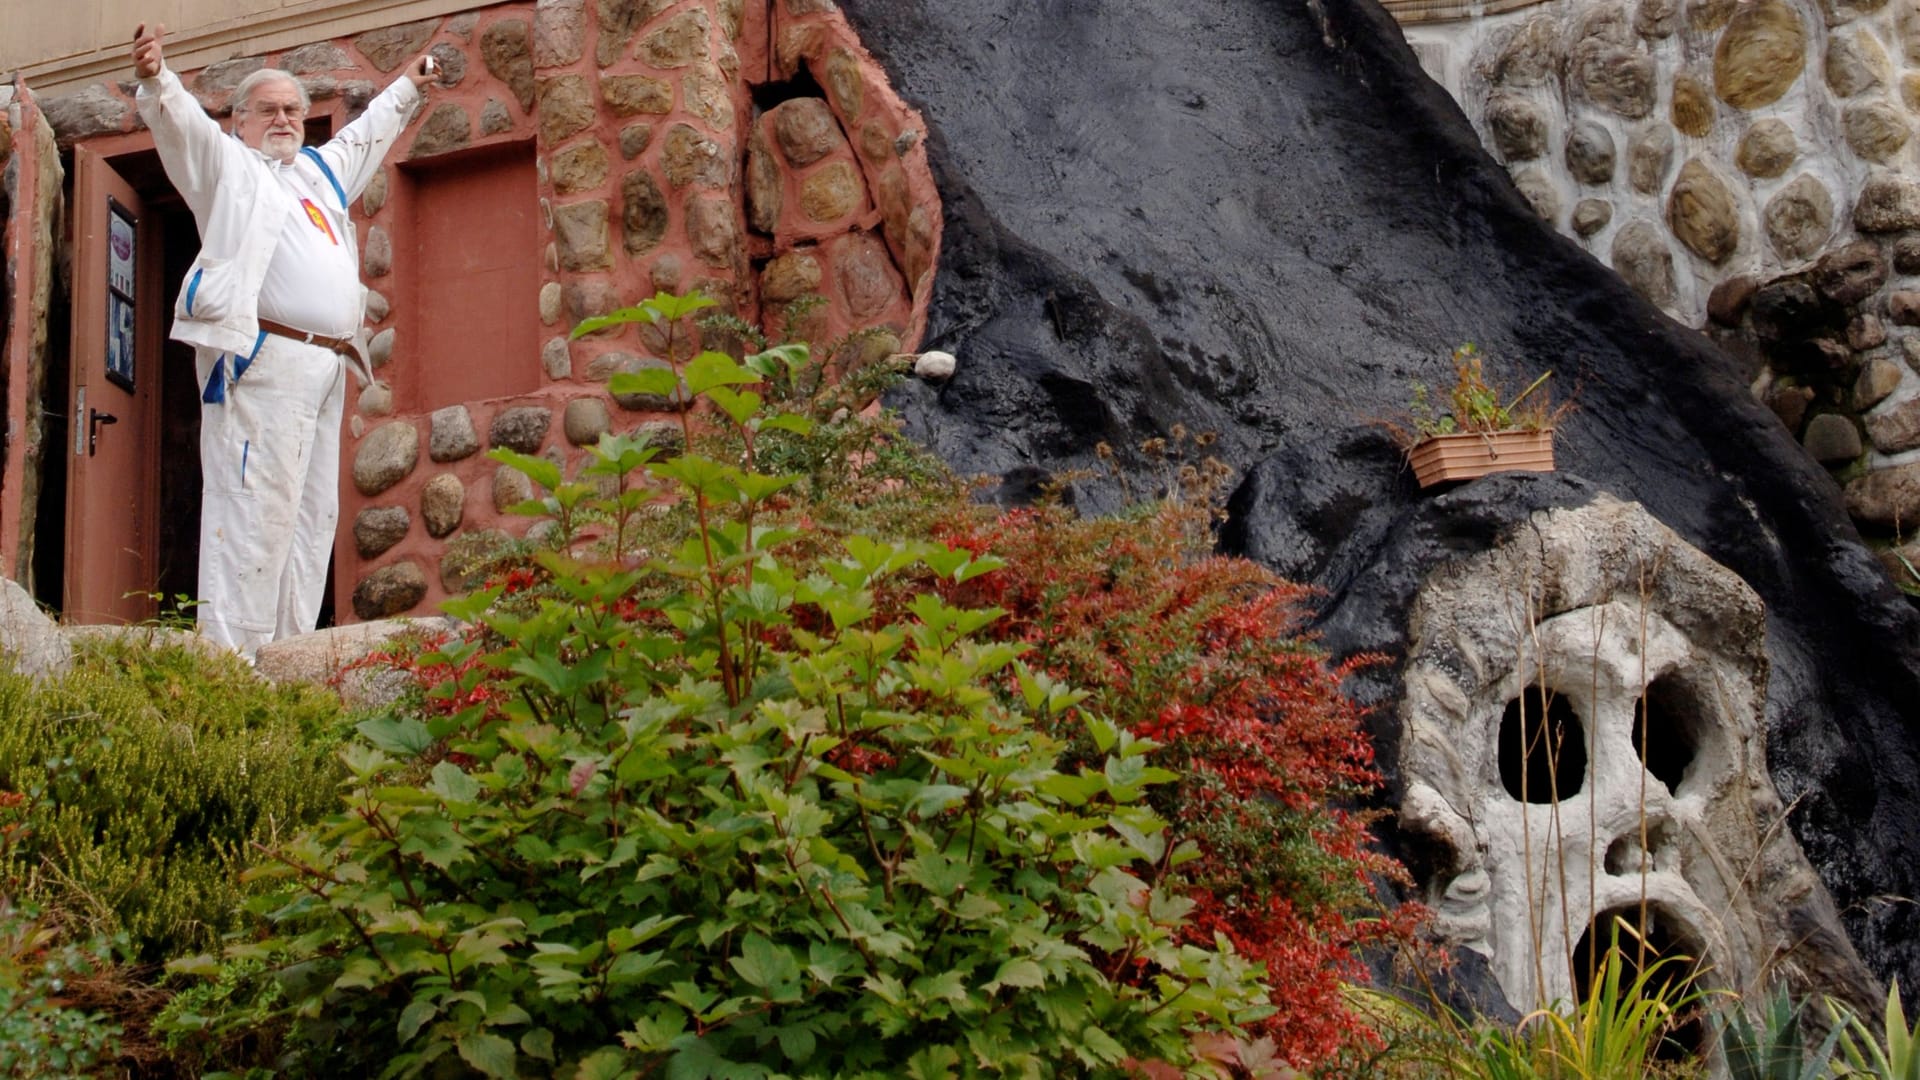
[1479, 432]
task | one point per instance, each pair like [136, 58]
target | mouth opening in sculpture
[1543, 747]
[1654, 943]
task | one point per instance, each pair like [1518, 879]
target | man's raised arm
[191, 144]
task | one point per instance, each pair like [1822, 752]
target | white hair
[243, 94]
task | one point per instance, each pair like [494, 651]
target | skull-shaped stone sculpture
[1583, 737]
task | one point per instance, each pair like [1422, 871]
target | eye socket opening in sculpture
[1664, 730]
[1543, 747]
[1643, 947]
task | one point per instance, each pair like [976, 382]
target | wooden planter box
[1439, 459]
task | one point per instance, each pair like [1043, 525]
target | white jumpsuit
[276, 242]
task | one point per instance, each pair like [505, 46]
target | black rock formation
[1261, 219]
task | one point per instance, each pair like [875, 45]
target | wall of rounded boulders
[1748, 165]
[753, 150]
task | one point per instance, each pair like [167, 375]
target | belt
[343, 346]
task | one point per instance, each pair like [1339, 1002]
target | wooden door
[112, 485]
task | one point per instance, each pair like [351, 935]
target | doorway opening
[168, 481]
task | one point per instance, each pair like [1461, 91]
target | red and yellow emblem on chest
[319, 220]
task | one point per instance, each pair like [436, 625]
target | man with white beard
[273, 307]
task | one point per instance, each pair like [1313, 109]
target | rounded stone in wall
[806, 130]
[377, 528]
[866, 275]
[1799, 218]
[1856, 63]
[1656, 19]
[522, 428]
[1761, 54]
[690, 157]
[1706, 16]
[578, 168]
[1875, 130]
[765, 183]
[634, 140]
[664, 435]
[585, 420]
[831, 193]
[1767, 149]
[1692, 107]
[389, 591]
[556, 359]
[376, 260]
[1897, 429]
[1648, 159]
[1906, 255]
[1518, 127]
[1728, 301]
[447, 130]
[1526, 55]
[443, 502]
[385, 457]
[1790, 403]
[643, 213]
[1539, 191]
[1838, 12]
[789, 277]
[550, 297]
[380, 348]
[604, 367]
[1832, 439]
[375, 195]
[1879, 378]
[451, 436]
[1889, 202]
[1865, 331]
[494, 118]
[1608, 67]
[1643, 259]
[376, 400]
[1851, 273]
[1703, 214]
[1590, 153]
[711, 230]
[469, 558]
[510, 488]
[1591, 215]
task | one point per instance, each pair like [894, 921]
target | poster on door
[120, 330]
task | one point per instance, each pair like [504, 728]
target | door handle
[95, 419]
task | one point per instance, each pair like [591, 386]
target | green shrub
[145, 776]
[776, 822]
[42, 1035]
[1893, 1055]
[1776, 1048]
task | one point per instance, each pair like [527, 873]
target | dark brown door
[112, 486]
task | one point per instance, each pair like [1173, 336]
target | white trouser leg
[256, 451]
[304, 582]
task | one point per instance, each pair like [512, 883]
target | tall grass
[1617, 1033]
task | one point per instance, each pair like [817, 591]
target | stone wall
[29, 208]
[657, 170]
[1749, 166]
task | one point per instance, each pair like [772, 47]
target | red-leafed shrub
[1206, 656]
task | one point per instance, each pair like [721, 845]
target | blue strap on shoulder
[328, 173]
